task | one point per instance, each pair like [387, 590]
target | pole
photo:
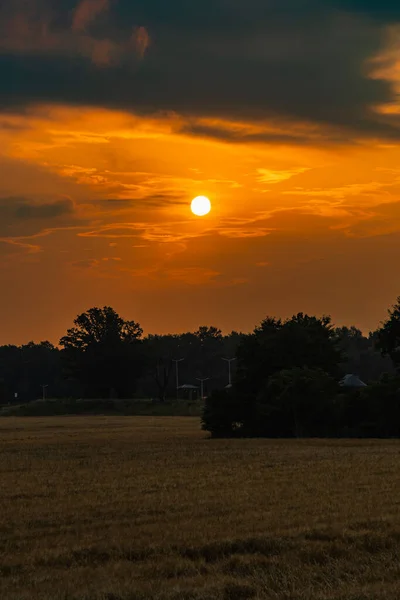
[229, 361]
[44, 391]
[177, 361]
[202, 385]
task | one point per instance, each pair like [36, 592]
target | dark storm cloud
[23, 209]
[152, 200]
[235, 136]
[25, 217]
[386, 10]
[301, 59]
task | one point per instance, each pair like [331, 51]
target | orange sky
[312, 227]
[115, 114]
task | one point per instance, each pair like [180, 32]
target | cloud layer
[293, 60]
[26, 217]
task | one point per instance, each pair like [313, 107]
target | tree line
[106, 356]
[285, 374]
[288, 382]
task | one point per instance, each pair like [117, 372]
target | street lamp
[177, 361]
[202, 385]
[229, 361]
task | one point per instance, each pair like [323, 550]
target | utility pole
[202, 385]
[44, 391]
[177, 361]
[229, 361]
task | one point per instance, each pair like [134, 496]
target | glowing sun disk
[201, 206]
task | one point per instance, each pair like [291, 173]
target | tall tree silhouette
[104, 353]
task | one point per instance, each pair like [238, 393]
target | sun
[201, 206]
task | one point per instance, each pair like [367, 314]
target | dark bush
[295, 403]
[222, 414]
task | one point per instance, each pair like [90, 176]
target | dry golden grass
[135, 508]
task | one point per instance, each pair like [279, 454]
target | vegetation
[104, 356]
[87, 407]
[389, 335]
[129, 508]
[285, 375]
[287, 384]
[102, 352]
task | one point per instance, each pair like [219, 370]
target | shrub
[295, 402]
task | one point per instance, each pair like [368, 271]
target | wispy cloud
[86, 263]
[87, 11]
[35, 29]
[352, 189]
[271, 176]
[24, 246]
[192, 275]
[162, 233]
[141, 40]
[22, 217]
[241, 232]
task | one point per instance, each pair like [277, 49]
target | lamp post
[177, 361]
[229, 361]
[202, 385]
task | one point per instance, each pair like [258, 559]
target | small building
[352, 381]
[190, 389]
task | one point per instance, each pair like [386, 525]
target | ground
[130, 508]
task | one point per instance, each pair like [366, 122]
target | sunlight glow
[201, 206]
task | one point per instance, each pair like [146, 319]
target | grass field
[58, 407]
[131, 508]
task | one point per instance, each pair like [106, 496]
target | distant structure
[189, 388]
[352, 381]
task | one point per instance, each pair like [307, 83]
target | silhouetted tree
[104, 353]
[373, 411]
[298, 402]
[159, 352]
[354, 347]
[285, 370]
[202, 352]
[24, 369]
[285, 380]
[223, 414]
[301, 341]
[10, 371]
[381, 408]
[388, 336]
[360, 355]
[205, 334]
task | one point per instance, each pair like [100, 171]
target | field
[57, 407]
[132, 508]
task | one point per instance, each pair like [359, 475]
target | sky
[115, 114]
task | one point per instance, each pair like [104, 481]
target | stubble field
[133, 508]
